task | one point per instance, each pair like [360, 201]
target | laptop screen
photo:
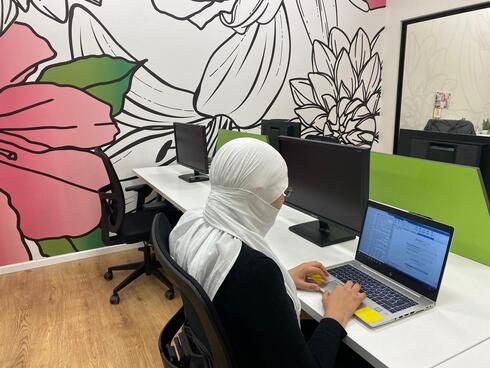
[403, 244]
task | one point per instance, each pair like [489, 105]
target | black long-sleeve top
[259, 319]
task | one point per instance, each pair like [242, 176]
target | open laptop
[399, 264]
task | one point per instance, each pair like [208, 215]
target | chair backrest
[450, 126]
[111, 200]
[196, 302]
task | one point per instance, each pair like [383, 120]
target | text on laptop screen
[414, 249]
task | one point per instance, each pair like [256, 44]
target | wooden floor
[60, 316]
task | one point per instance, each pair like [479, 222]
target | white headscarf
[246, 176]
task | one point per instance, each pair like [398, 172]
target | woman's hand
[299, 275]
[344, 300]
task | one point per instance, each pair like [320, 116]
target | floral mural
[55, 9]
[47, 130]
[84, 84]
[340, 97]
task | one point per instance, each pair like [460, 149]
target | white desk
[476, 357]
[460, 321]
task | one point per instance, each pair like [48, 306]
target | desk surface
[476, 357]
[460, 320]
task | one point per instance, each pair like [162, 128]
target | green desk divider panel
[224, 136]
[451, 194]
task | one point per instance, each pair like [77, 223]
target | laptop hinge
[401, 286]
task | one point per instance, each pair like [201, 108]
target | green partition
[224, 136]
[451, 194]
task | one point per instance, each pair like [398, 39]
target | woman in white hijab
[224, 249]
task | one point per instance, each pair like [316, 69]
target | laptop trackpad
[330, 286]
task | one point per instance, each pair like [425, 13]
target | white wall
[447, 54]
[396, 12]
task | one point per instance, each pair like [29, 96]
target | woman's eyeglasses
[288, 191]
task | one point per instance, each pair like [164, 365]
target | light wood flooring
[60, 316]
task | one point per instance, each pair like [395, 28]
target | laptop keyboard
[375, 290]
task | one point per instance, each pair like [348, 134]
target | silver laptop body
[403, 251]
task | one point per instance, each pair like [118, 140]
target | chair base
[149, 266]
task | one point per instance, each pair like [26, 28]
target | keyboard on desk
[378, 292]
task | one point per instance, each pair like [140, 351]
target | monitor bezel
[340, 146]
[202, 128]
[392, 273]
[284, 126]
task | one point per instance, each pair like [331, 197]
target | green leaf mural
[89, 241]
[104, 77]
[56, 247]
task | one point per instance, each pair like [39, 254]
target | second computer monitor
[191, 150]
[278, 127]
[330, 182]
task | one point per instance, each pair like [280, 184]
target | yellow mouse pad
[369, 315]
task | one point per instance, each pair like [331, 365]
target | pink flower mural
[367, 5]
[376, 4]
[12, 246]
[47, 172]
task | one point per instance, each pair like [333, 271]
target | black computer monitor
[322, 138]
[274, 128]
[462, 149]
[330, 182]
[191, 150]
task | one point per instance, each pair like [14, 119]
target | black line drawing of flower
[56, 10]
[340, 97]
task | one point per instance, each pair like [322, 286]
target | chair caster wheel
[114, 299]
[108, 275]
[169, 294]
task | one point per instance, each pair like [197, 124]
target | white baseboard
[42, 262]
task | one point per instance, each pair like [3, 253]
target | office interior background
[116, 75]
[140, 66]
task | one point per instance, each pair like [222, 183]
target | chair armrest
[143, 191]
[155, 206]
[137, 188]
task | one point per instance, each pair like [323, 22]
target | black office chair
[450, 126]
[197, 314]
[119, 227]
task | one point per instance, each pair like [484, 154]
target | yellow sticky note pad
[369, 315]
[316, 277]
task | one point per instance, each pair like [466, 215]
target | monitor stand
[193, 178]
[323, 233]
